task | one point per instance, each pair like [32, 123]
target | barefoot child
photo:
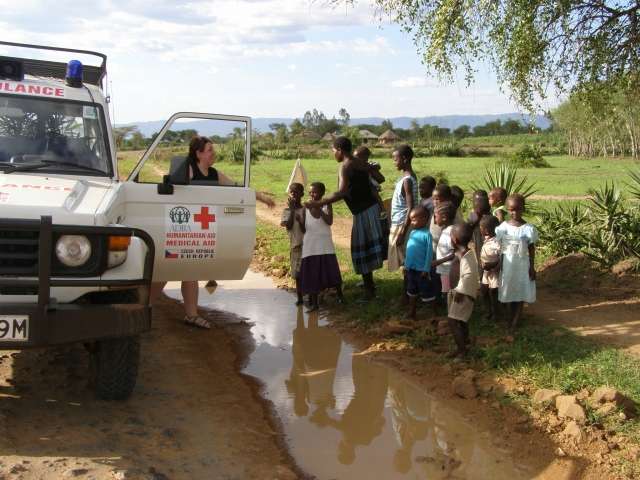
[480, 209]
[460, 300]
[443, 216]
[442, 193]
[426, 188]
[405, 198]
[457, 197]
[490, 263]
[319, 269]
[417, 263]
[292, 221]
[517, 274]
[497, 197]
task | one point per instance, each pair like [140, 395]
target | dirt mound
[576, 273]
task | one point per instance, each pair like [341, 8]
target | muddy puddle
[344, 415]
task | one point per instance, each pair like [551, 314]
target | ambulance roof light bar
[45, 68]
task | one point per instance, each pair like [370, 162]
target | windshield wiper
[25, 167]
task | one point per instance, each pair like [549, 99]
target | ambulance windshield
[56, 136]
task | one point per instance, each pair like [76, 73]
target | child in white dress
[517, 275]
[319, 267]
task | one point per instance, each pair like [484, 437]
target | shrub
[615, 226]
[443, 149]
[284, 153]
[233, 151]
[607, 230]
[634, 184]
[563, 229]
[476, 151]
[527, 157]
[441, 176]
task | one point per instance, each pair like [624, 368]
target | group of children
[444, 259]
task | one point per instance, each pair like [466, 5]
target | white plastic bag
[298, 175]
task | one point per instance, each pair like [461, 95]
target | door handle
[233, 210]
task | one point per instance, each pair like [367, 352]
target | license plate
[14, 328]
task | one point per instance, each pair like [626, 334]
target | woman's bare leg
[190, 297]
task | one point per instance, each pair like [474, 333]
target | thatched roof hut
[366, 135]
[329, 137]
[388, 138]
[308, 135]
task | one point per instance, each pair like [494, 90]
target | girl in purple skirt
[319, 269]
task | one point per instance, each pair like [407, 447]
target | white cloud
[373, 47]
[412, 82]
[289, 86]
[292, 68]
[194, 30]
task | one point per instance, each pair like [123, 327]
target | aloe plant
[634, 184]
[506, 176]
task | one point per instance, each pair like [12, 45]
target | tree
[462, 131]
[510, 127]
[603, 119]
[238, 132]
[120, 133]
[344, 116]
[531, 44]
[415, 128]
[386, 125]
[296, 127]
[274, 127]
[137, 142]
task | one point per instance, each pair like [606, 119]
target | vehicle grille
[19, 253]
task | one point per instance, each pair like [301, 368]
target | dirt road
[192, 414]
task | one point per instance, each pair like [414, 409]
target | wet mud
[345, 415]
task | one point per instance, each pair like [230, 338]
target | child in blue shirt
[417, 263]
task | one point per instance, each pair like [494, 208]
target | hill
[262, 124]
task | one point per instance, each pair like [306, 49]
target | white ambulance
[79, 246]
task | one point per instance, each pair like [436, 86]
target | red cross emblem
[204, 217]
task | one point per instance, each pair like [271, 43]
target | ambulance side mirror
[165, 188]
[178, 175]
[179, 171]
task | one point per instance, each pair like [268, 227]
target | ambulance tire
[115, 363]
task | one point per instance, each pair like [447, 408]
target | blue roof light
[74, 73]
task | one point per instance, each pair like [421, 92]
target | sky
[261, 58]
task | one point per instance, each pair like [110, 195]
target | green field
[568, 176]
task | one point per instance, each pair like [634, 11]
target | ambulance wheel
[115, 363]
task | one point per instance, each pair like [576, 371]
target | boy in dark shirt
[426, 187]
[293, 222]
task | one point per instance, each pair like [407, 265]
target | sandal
[197, 321]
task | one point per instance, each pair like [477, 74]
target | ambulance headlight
[73, 250]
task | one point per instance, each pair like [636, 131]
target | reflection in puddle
[344, 415]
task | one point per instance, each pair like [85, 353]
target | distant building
[329, 137]
[388, 138]
[366, 136]
[308, 135]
